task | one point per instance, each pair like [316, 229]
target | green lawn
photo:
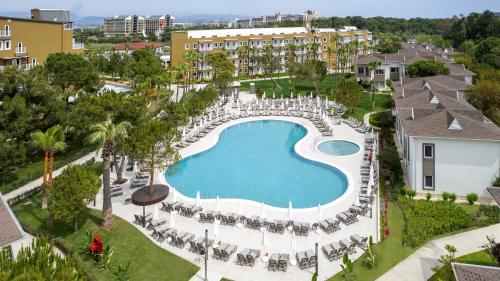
[35, 170]
[382, 101]
[148, 261]
[301, 87]
[478, 258]
[388, 252]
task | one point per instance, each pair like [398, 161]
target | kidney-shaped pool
[256, 161]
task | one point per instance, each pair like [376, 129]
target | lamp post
[317, 261]
[206, 253]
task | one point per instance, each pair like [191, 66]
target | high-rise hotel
[302, 42]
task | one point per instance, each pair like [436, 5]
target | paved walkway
[366, 117]
[417, 267]
[35, 183]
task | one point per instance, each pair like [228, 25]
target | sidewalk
[417, 266]
[39, 181]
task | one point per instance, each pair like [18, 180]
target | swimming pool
[257, 161]
[338, 147]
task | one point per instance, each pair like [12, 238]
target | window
[1, 45]
[429, 182]
[7, 45]
[7, 30]
[394, 70]
[286, 41]
[195, 46]
[379, 71]
[33, 61]
[324, 39]
[361, 70]
[186, 46]
[324, 47]
[428, 151]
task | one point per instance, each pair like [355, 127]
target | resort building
[12, 235]
[127, 48]
[300, 43]
[447, 145]
[278, 17]
[124, 26]
[395, 66]
[26, 42]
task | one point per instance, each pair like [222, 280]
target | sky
[393, 8]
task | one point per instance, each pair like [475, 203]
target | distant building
[308, 43]
[278, 17]
[395, 66]
[128, 48]
[124, 26]
[56, 15]
[24, 43]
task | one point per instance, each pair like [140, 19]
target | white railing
[78, 46]
[230, 47]
[4, 33]
[20, 50]
[205, 49]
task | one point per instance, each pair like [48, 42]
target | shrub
[445, 196]
[496, 182]
[471, 198]
[411, 193]
[452, 197]
[488, 214]
[427, 68]
[426, 219]
[428, 196]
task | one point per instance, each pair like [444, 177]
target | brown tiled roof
[471, 272]
[436, 122]
[458, 69]
[431, 99]
[438, 82]
[10, 230]
[495, 194]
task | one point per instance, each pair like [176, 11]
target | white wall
[461, 166]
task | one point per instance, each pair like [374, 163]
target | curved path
[418, 266]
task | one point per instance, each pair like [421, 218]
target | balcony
[20, 51]
[230, 47]
[235, 56]
[78, 46]
[204, 67]
[205, 49]
[278, 45]
[4, 34]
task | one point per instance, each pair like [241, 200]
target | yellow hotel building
[229, 40]
[25, 43]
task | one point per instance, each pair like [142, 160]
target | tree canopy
[427, 68]
[68, 70]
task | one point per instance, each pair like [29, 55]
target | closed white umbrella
[319, 213]
[326, 100]
[240, 213]
[293, 249]
[356, 199]
[216, 229]
[265, 241]
[135, 168]
[274, 95]
[198, 199]
[155, 212]
[291, 95]
[264, 96]
[281, 96]
[171, 222]
[290, 210]
[217, 203]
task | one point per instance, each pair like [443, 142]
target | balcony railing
[4, 34]
[78, 46]
[205, 49]
[230, 47]
[20, 51]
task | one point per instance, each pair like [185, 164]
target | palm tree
[50, 142]
[373, 65]
[104, 135]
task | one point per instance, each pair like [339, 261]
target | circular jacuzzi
[338, 147]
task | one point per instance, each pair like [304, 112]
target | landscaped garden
[128, 244]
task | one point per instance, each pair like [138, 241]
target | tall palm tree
[373, 65]
[104, 135]
[50, 142]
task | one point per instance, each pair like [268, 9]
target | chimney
[412, 114]
[404, 58]
[463, 65]
[458, 95]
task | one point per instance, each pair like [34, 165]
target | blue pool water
[257, 161]
[338, 147]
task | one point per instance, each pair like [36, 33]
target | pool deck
[249, 238]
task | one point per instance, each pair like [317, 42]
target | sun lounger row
[329, 225]
[306, 259]
[347, 217]
[277, 226]
[198, 245]
[224, 251]
[140, 219]
[301, 229]
[278, 262]
[247, 257]
[359, 210]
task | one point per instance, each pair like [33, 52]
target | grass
[382, 101]
[129, 244]
[388, 252]
[300, 87]
[23, 175]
